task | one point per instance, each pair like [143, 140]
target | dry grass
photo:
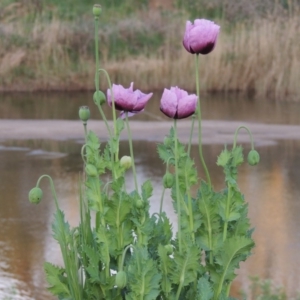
[262, 57]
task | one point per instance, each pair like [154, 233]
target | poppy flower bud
[84, 113]
[139, 203]
[253, 158]
[91, 170]
[97, 9]
[126, 162]
[35, 195]
[99, 98]
[121, 279]
[169, 249]
[168, 180]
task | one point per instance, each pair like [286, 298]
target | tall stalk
[199, 123]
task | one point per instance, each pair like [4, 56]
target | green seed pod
[35, 195]
[168, 180]
[97, 9]
[91, 170]
[168, 141]
[139, 203]
[99, 98]
[253, 158]
[126, 162]
[84, 113]
[121, 279]
[169, 249]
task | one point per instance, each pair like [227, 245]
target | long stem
[131, 152]
[236, 134]
[199, 123]
[162, 201]
[177, 186]
[52, 188]
[227, 211]
[191, 134]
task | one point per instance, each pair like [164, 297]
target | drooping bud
[99, 98]
[84, 113]
[97, 9]
[253, 157]
[121, 279]
[169, 249]
[126, 162]
[35, 195]
[139, 203]
[168, 180]
[91, 170]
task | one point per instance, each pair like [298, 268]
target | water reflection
[272, 190]
[62, 105]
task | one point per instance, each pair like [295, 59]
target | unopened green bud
[99, 98]
[139, 203]
[169, 249]
[121, 279]
[168, 180]
[126, 162]
[35, 195]
[84, 113]
[97, 10]
[253, 158]
[91, 170]
[168, 141]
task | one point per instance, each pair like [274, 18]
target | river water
[272, 188]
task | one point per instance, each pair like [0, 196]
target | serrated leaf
[204, 290]
[224, 158]
[186, 266]
[55, 277]
[147, 190]
[237, 156]
[143, 276]
[120, 125]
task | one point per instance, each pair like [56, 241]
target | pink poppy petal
[203, 36]
[168, 103]
[186, 36]
[142, 100]
[186, 106]
[179, 92]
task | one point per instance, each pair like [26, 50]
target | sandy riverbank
[214, 132]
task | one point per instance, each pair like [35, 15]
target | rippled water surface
[272, 189]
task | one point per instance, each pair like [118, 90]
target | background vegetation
[48, 45]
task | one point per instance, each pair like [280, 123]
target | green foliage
[120, 251]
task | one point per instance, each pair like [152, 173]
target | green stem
[199, 123]
[191, 134]
[52, 188]
[131, 152]
[177, 186]
[227, 212]
[163, 191]
[123, 256]
[162, 201]
[112, 99]
[191, 215]
[85, 131]
[236, 134]
[97, 70]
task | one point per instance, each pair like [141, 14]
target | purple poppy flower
[128, 100]
[177, 103]
[200, 37]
